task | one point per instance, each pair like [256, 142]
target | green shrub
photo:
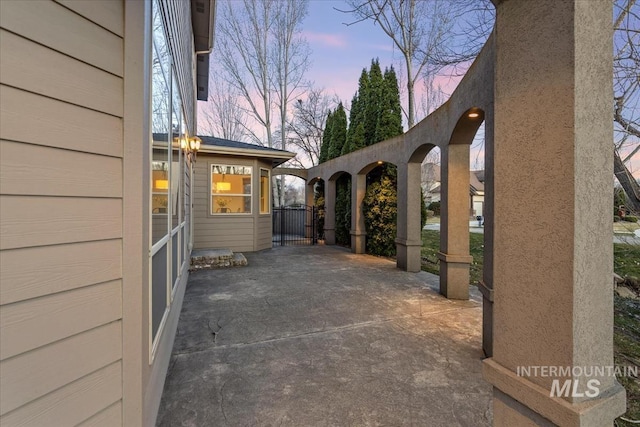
[380, 213]
[631, 218]
[435, 207]
[424, 214]
[343, 211]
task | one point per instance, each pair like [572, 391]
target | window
[264, 191]
[230, 189]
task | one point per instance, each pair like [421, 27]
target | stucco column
[329, 212]
[486, 283]
[308, 200]
[409, 237]
[553, 164]
[454, 222]
[358, 233]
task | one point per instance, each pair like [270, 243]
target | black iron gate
[295, 226]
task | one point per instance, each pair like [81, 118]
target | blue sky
[340, 52]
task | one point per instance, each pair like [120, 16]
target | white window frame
[268, 195]
[211, 194]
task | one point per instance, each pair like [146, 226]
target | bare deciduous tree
[223, 115]
[626, 84]
[264, 58]
[306, 127]
[243, 46]
[427, 35]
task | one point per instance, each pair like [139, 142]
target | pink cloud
[332, 40]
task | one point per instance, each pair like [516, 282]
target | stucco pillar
[358, 233]
[454, 222]
[486, 283]
[409, 237]
[329, 212]
[553, 164]
[308, 200]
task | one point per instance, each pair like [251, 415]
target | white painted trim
[211, 195]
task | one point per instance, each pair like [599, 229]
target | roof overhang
[277, 157]
[203, 23]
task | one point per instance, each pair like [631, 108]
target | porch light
[380, 162]
[194, 144]
[473, 115]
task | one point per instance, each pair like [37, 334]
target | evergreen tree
[356, 134]
[372, 106]
[390, 119]
[343, 210]
[338, 132]
[326, 139]
[380, 215]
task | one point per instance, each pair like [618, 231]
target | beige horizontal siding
[110, 417]
[30, 169]
[61, 29]
[72, 403]
[28, 117]
[108, 14]
[61, 211]
[47, 72]
[30, 324]
[263, 232]
[32, 375]
[38, 221]
[33, 272]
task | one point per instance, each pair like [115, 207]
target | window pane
[230, 189]
[231, 204]
[264, 191]
[174, 259]
[178, 133]
[160, 122]
[158, 288]
[159, 192]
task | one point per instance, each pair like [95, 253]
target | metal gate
[295, 226]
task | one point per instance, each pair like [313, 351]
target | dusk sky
[339, 52]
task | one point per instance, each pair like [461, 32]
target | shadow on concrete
[315, 336]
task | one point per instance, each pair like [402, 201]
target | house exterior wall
[61, 212]
[75, 154]
[238, 232]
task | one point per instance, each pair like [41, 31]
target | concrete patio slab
[318, 336]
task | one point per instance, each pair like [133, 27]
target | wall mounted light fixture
[190, 146]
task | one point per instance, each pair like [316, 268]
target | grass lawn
[626, 315]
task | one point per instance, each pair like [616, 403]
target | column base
[358, 242]
[454, 275]
[408, 255]
[518, 401]
[329, 236]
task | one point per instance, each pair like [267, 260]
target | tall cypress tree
[326, 139]
[338, 132]
[372, 107]
[390, 119]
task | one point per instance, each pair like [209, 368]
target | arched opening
[376, 206]
[337, 199]
[461, 191]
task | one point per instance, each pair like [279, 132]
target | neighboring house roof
[431, 174]
[214, 145]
